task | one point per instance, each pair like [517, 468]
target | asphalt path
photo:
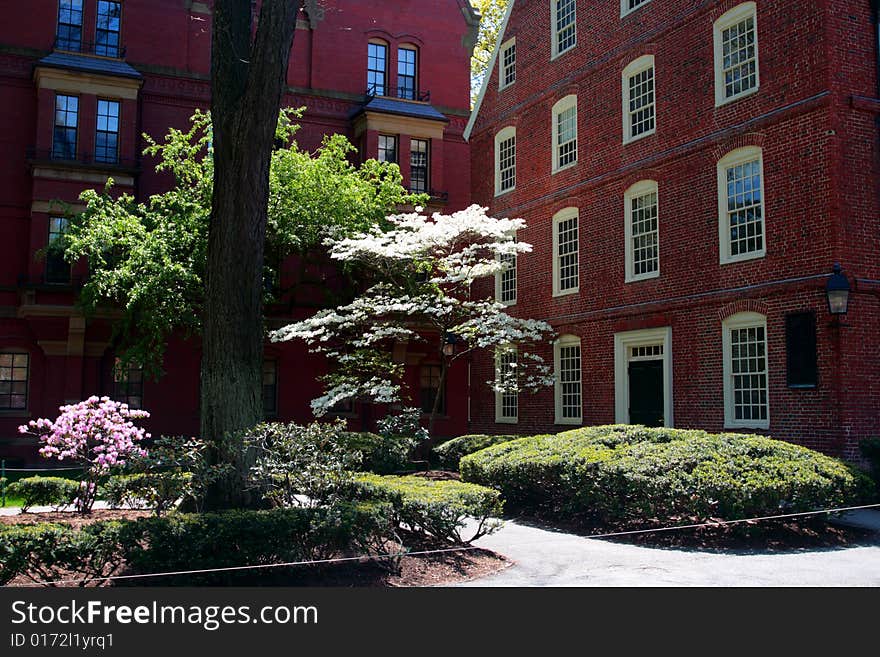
[542, 556]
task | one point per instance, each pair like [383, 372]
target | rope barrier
[463, 548]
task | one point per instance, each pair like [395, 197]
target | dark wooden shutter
[800, 347]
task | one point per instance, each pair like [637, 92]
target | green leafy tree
[492, 13]
[149, 259]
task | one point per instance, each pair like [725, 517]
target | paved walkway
[543, 557]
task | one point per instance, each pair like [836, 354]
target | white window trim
[559, 217]
[554, 33]
[503, 135]
[510, 43]
[639, 189]
[635, 67]
[626, 11]
[623, 342]
[498, 276]
[499, 396]
[732, 159]
[735, 15]
[738, 321]
[565, 104]
[566, 341]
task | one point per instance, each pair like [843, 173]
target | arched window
[566, 252]
[505, 161]
[746, 389]
[741, 215]
[568, 394]
[506, 395]
[735, 36]
[565, 133]
[642, 230]
[639, 112]
[377, 67]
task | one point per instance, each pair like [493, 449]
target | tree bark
[248, 77]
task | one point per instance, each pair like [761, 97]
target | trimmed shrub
[378, 454]
[629, 474]
[47, 552]
[436, 508]
[158, 491]
[250, 538]
[56, 492]
[449, 453]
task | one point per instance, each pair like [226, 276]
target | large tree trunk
[248, 76]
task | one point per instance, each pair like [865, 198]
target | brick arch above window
[747, 140]
[743, 306]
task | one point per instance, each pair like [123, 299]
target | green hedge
[158, 491]
[448, 454]
[378, 454]
[178, 542]
[635, 474]
[56, 492]
[435, 508]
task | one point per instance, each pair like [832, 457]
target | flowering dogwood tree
[97, 434]
[422, 273]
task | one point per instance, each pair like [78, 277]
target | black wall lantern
[837, 292]
[449, 340]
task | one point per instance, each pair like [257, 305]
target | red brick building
[690, 171]
[81, 80]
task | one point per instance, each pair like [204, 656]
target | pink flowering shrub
[97, 434]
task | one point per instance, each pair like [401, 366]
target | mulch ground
[437, 569]
[760, 536]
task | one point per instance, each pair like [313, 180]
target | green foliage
[378, 454]
[300, 465]
[435, 508]
[48, 552]
[633, 474]
[44, 491]
[449, 453]
[492, 13]
[149, 258]
[249, 538]
[158, 491]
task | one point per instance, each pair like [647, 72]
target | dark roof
[402, 107]
[89, 64]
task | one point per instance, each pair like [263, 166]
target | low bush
[48, 552]
[158, 491]
[436, 508]
[378, 454]
[629, 474]
[56, 492]
[448, 454]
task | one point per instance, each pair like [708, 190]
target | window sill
[556, 55]
[743, 258]
[762, 426]
[506, 86]
[506, 191]
[630, 140]
[569, 421]
[643, 277]
[565, 293]
[507, 304]
[506, 420]
[721, 102]
[567, 166]
[627, 12]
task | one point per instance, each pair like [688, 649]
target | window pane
[641, 102]
[566, 35]
[69, 33]
[419, 158]
[406, 73]
[64, 136]
[508, 279]
[570, 381]
[643, 222]
[739, 58]
[567, 253]
[749, 374]
[13, 381]
[507, 163]
[107, 134]
[566, 139]
[745, 212]
[508, 65]
[388, 148]
[57, 269]
[377, 65]
[107, 30]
